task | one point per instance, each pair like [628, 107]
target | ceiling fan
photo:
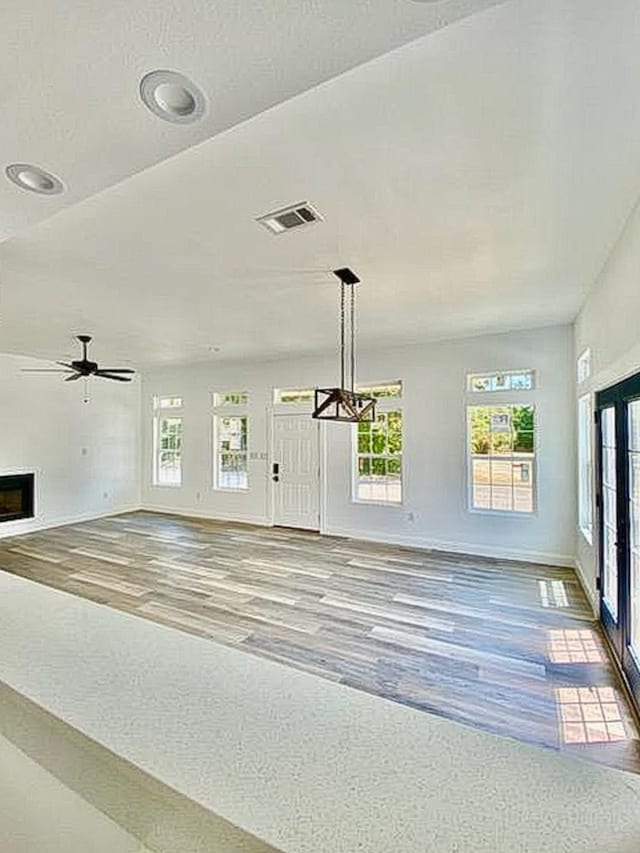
[84, 368]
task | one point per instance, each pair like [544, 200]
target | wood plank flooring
[506, 647]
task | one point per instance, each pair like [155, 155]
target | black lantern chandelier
[344, 403]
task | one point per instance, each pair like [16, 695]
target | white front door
[295, 471]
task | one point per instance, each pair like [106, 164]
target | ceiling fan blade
[104, 375]
[64, 364]
[43, 370]
[116, 370]
[73, 377]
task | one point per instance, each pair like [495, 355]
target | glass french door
[618, 432]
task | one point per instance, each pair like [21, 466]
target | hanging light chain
[342, 335]
[353, 337]
[348, 337]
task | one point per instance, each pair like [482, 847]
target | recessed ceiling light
[34, 179]
[172, 96]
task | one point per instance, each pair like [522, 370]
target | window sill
[502, 513]
[166, 485]
[360, 502]
[240, 490]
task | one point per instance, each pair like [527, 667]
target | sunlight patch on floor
[573, 645]
[553, 593]
[589, 715]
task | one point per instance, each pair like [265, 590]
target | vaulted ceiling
[473, 161]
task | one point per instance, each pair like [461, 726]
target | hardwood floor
[503, 646]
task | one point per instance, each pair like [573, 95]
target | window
[231, 398]
[585, 467]
[584, 366]
[230, 441]
[290, 396]
[383, 390]
[167, 402]
[509, 380]
[167, 451]
[378, 458]
[502, 458]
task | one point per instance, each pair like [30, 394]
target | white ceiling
[69, 96]
[476, 179]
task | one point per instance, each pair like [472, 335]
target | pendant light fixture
[344, 403]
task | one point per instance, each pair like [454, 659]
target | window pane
[584, 366]
[169, 468]
[634, 522]
[231, 436]
[378, 471]
[167, 402]
[502, 458]
[609, 510]
[585, 467]
[168, 451]
[379, 392]
[293, 395]
[395, 432]
[364, 442]
[481, 483]
[522, 473]
[231, 398]
[509, 380]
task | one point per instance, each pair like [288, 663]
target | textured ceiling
[475, 178]
[70, 74]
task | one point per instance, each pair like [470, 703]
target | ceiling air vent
[290, 218]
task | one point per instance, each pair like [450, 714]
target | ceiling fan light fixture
[172, 96]
[34, 179]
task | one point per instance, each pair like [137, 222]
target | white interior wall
[434, 511]
[608, 326]
[84, 455]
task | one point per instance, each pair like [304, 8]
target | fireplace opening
[16, 497]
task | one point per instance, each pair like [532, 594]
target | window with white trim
[502, 458]
[382, 390]
[167, 441]
[293, 396]
[585, 467]
[583, 366]
[377, 474]
[506, 380]
[231, 434]
[167, 402]
[230, 398]
[230, 441]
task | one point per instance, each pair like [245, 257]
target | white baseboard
[587, 588]
[473, 549]
[33, 525]
[189, 512]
